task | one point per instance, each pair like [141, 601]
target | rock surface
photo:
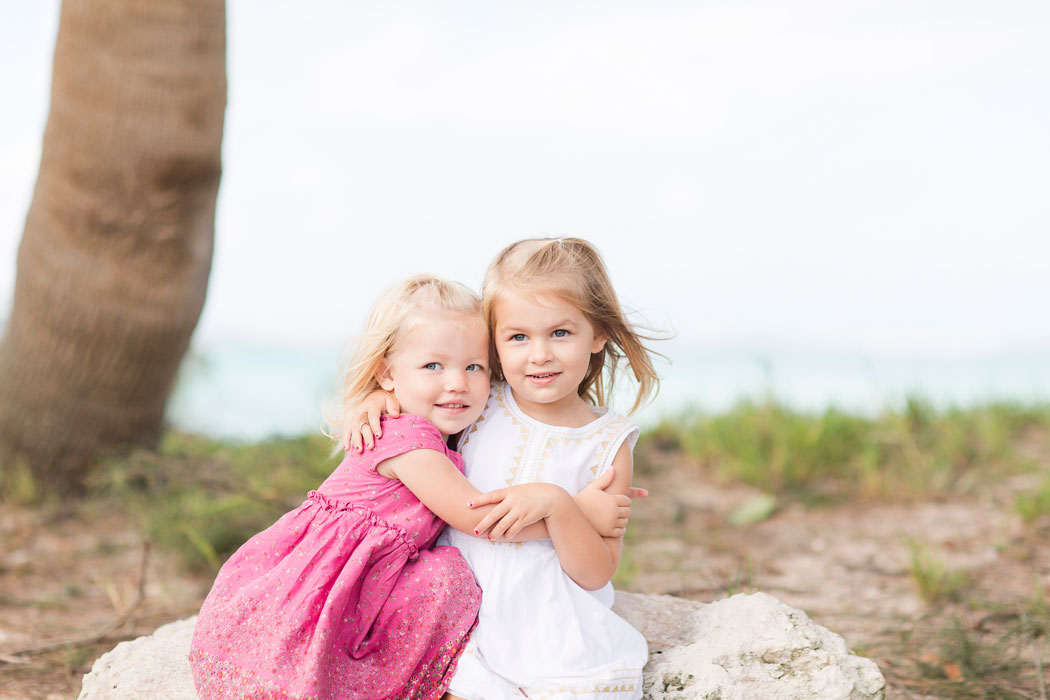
[155, 666]
[743, 647]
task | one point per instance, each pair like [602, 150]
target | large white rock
[745, 647]
[155, 666]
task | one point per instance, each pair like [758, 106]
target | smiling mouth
[547, 376]
[452, 406]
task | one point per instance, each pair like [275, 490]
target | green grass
[971, 663]
[980, 650]
[1034, 503]
[936, 583]
[17, 484]
[917, 451]
[743, 580]
[204, 498]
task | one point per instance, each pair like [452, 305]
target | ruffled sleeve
[403, 434]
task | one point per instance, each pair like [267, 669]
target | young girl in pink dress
[545, 628]
[344, 596]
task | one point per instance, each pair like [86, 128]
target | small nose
[456, 380]
[539, 351]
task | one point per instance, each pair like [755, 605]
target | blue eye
[518, 337]
[560, 333]
[475, 367]
[432, 365]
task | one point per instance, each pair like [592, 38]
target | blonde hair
[571, 269]
[394, 314]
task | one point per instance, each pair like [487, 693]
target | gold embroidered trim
[619, 684]
[520, 452]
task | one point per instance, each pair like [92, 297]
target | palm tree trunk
[114, 260]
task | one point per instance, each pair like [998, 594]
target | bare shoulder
[623, 465]
[624, 455]
[413, 460]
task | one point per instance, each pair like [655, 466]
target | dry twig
[107, 633]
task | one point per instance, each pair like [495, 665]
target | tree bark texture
[114, 260]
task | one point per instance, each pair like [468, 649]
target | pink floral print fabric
[342, 597]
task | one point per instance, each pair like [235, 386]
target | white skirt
[539, 634]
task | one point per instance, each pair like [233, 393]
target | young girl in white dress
[545, 629]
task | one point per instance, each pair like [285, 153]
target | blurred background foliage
[204, 497]
[917, 452]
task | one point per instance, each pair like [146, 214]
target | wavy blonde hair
[571, 269]
[394, 314]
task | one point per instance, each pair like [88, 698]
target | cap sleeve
[403, 434]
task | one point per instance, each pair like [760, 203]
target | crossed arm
[516, 514]
[586, 556]
[586, 530]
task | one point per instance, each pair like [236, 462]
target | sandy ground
[77, 575]
[850, 567]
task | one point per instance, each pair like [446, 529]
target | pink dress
[342, 597]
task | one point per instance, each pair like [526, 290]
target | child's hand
[607, 512]
[376, 404]
[517, 507]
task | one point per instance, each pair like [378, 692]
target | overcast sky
[828, 174]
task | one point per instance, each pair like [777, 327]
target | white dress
[539, 634]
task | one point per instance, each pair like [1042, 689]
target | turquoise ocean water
[251, 392]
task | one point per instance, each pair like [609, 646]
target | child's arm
[623, 464]
[581, 551]
[441, 487]
[606, 512]
[588, 558]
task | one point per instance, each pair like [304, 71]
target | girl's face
[544, 345]
[439, 370]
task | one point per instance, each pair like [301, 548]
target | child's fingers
[636, 492]
[520, 525]
[355, 439]
[490, 519]
[497, 531]
[368, 436]
[393, 408]
[514, 529]
[605, 479]
[373, 423]
[501, 530]
[487, 499]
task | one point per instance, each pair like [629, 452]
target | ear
[599, 343]
[384, 377]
